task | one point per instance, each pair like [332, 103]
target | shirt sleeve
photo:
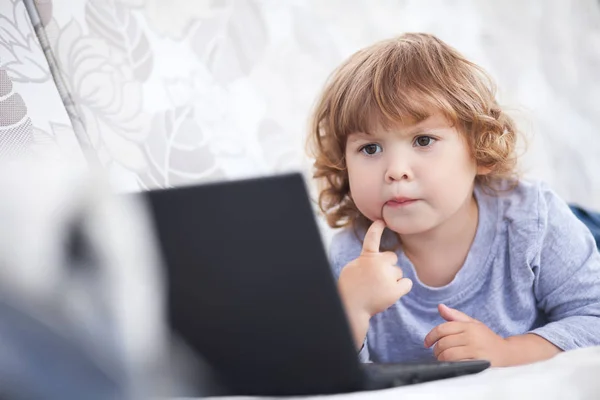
[567, 276]
[363, 354]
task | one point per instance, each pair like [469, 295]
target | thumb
[450, 314]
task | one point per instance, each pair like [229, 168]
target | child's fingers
[451, 314]
[373, 237]
[389, 257]
[448, 342]
[404, 286]
[459, 353]
[443, 330]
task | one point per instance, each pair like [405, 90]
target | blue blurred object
[590, 218]
[81, 295]
[39, 362]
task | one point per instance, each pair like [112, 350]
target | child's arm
[371, 283]
[358, 320]
[528, 348]
[566, 266]
[567, 277]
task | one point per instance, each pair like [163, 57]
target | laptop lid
[250, 288]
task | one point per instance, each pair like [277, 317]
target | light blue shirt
[533, 267]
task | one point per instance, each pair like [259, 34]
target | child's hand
[372, 282]
[464, 338]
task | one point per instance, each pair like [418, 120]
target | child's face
[414, 177]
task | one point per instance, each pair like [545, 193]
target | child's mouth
[401, 202]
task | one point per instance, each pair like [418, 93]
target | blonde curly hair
[401, 80]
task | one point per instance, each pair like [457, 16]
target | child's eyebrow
[420, 131]
[356, 136]
[409, 132]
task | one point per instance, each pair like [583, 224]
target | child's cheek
[369, 204]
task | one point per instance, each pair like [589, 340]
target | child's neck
[440, 253]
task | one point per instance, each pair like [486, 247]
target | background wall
[173, 92]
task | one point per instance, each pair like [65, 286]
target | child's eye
[424, 141]
[371, 149]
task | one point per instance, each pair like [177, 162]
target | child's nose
[398, 169]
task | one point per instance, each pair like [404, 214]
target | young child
[415, 156]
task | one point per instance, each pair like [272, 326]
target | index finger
[373, 237]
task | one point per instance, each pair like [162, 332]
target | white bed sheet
[572, 375]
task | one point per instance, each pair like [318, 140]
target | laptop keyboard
[408, 373]
[405, 367]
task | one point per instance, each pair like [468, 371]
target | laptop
[251, 291]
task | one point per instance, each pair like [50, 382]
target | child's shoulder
[533, 201]
[525, 193]
[528, 216]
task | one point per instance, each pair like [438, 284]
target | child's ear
[483, 170]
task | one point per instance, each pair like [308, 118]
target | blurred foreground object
[81, 296]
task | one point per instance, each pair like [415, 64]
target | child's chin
[407, 227]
